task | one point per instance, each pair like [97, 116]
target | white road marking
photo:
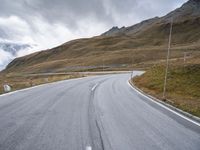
[178, 114]
[25, 89]
[94, 87]
[88, 148]
[10, 93]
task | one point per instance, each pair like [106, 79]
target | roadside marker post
[131, 74]
[6, 88]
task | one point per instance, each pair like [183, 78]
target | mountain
[140, 45]
[132, 29]
[189, 11]
[113, 31]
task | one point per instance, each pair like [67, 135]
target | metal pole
[103, 64]
[167, 65]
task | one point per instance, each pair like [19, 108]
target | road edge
[88, 74]
[177, 110]
[39, 85]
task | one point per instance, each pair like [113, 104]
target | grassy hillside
[19, 81]
[183, 84]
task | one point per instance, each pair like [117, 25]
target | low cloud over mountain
[9, 50]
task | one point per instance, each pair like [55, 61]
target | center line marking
[94, 87]
[88, 148]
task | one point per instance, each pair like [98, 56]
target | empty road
[100, 113]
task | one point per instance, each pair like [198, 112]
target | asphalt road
[103, 113]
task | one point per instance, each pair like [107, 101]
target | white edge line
[180, 115]
[29, 88]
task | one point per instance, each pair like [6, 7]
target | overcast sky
[48, 23]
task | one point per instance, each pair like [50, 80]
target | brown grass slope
[183, 83]
[143, 44]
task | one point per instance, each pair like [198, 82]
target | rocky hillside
[143, 44]
[188, 11]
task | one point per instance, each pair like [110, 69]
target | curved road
[93, 113]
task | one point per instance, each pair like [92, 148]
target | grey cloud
[3, 34]
[69, 12]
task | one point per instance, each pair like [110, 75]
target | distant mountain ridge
[130, 30]
[190, 9]
[142, 43]
[113, 31]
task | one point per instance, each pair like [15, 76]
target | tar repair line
[164, 106]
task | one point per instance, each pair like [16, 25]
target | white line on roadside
[21, 90]
[180, 115]
[10, 93]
